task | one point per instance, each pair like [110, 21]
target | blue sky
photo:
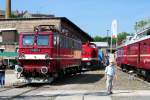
[93, 16]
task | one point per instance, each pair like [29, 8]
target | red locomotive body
[89, 55]
[47, 53]
[134, 54]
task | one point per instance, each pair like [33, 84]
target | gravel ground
[87, 84]
[94, 80]
[91, 80]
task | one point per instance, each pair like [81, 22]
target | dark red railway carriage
[134, 54]
[47, 53]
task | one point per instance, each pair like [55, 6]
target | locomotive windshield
[92, 45]
[28, 39]
[42, 40]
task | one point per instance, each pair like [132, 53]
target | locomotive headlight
[18, 69]
[44, 70]
[88, 63]
[46, 56]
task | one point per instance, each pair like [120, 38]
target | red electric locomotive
[134, 54]
[47, 53]
[89, 55]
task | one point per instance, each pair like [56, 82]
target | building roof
[101, 44]
[30, 15]
[85, 36]
[2, 12]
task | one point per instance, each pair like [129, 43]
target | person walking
[2, 73]
[110, 73]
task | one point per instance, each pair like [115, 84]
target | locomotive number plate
[34, 50]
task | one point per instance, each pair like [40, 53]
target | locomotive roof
[63, 19]
[139, 36]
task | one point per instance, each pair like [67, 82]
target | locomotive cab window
[28, 39]
[92, 46]
[42, 40]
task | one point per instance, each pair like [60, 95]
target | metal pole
[107, 35]
[111, 45]
[116, 42]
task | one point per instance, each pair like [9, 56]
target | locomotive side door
[139, 52]
[56, 50]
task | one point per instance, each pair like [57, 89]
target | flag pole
[116, 42]
[111, 44]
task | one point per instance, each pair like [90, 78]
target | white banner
[114, 29]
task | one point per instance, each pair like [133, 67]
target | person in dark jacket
[2, 73]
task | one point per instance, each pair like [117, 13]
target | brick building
[10, 28]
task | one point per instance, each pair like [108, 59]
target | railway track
[133, 76]
[25, 88]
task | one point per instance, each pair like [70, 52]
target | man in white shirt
[110, 72]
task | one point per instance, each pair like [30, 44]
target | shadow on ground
[79, 79]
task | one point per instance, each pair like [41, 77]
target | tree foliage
[120, 37]
[141, 24]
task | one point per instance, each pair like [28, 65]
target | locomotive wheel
[124, 69]
[79, 69]
[61, 74]
[147, 76]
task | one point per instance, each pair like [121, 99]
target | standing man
[2, 73]
[110, 72]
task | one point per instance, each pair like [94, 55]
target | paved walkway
[11, 79]
[97, 95]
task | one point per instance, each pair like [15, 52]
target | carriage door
[56, 49]
[139, 52]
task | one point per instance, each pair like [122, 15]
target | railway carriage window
[72, 43]
[78, 45]
[75, 45]
[61, 41]
[42, 40]
[55, 40]
[58, 39]
[148, 32]
[28, 40]
[67, 42]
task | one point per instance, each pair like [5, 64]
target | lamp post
[107, 34]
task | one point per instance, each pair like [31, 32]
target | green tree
[97, 39]
[122, 36]
[141, 24]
